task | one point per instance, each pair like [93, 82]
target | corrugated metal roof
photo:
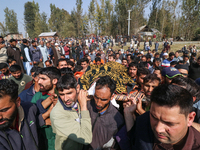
[48, 34]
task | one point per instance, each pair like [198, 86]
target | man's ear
[54, 81]
[194, 98]
[78, 88]
[18, 101]
[191, 118]
[112, 96]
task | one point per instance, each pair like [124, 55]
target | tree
[174, 6]
[153, 18]
[29, 18]
[79, 11]
[108, 14]
[190, 17]
[11, 20]
[60, 22]
[91, 15]
[85, 24]
[3, 29]
[43, 17]
[56, 18]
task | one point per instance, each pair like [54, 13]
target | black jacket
[194, 71]
[26, 138]
[142, 136]
[23, 53]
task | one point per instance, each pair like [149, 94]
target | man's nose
[160, 127]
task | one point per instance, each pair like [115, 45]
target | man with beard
[46, 100]
[55, 53]
[84, 63]
[5, 70]
[18, 123]
[36, 55]
[26, 57]
[70, 117]
[132, 70]
[166, 62]
[18, 77]
[44, 51]
[78, 51]
[14, 53]
[27, 95]
[106, 119]
[62, 63]
[150, 82]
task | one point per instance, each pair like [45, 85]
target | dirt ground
[174, 47]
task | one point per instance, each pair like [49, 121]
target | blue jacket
[35, 54]
[27, 138]
[27, 95]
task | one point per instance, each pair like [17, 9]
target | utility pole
[129, 19]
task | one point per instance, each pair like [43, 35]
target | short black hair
[78, 68]
[51, 72]
[159, 68]
[173, 63]
[10, 60]
[15, 68]
[50, 62]
[171, 54]
[156, 59]
[24, 41]
[173, 95]
[97, 59]
[61, 59]
[188, 84]
[36, 70]
[70, 63]
[112, 55]
[66, 71]
[142, 65]
[3, 65]
[148, 56]
[151, 77]
[156, 53]
[33, 41]
[194, 54]
[98, 55]
[143, 71]
[66, 82]
[132, 64]
[84, 59]
[9, 87]
[12, 40]
[125, 59]
[106, 81]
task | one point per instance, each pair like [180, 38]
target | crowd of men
[42, 106]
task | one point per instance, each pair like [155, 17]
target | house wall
[47, 37]
[13, 36]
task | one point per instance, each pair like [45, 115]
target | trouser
[39, 64]
[74, 56]
[27, 67]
